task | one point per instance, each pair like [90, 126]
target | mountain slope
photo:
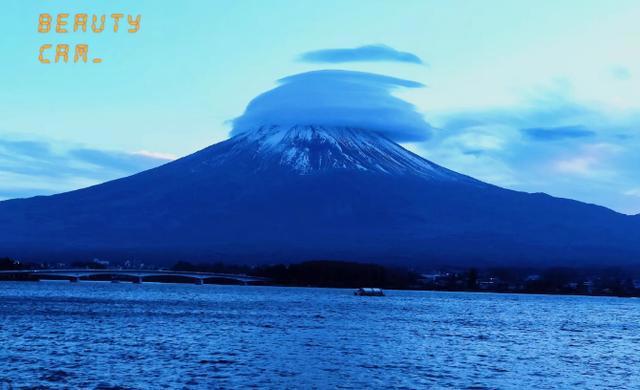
[290, 194]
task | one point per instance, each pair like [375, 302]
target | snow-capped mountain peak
[308, 149]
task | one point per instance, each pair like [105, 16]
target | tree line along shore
[611, 281]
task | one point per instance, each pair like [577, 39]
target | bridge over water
[134, 275]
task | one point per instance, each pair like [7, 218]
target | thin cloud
[620, 73]
[587, 161]
[550, 142]
[114, 160]
[61, 167]
[29, 148]
[156, 155]
[367, 53]
[557, 133]
[633, 192]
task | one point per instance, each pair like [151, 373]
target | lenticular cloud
[337, 98]
[368, 53]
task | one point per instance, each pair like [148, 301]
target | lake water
[107, 336]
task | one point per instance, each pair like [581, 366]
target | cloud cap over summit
[338, 98]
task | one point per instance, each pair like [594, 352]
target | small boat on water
[369, 292]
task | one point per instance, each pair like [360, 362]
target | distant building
[104, 263]
[588, 286]
[431, 277]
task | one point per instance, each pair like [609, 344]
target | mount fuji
[293, 193]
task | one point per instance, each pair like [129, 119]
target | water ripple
[121, 336]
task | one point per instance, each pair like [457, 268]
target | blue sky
[531, 95]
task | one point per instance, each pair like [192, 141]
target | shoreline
[487, 292]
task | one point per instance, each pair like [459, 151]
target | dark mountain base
[321, 194]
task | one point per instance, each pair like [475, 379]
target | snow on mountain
[308, 149]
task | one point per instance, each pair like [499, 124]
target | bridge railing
[74, 274]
